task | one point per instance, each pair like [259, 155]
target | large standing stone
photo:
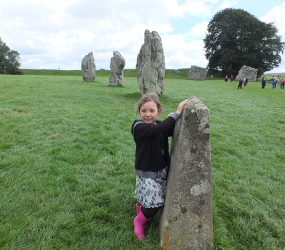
[151, 64]
[117, 65]
[248, 72]
[186, 221]
[88, 68]
[197, 73]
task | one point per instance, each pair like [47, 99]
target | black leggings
[150, 212]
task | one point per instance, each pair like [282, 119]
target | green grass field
[67, 155]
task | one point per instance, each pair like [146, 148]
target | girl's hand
[181, 107]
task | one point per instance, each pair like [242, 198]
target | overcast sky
[52, 34]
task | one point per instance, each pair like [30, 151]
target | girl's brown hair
[146, 98]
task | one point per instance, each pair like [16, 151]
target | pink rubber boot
[139, 223]
[138, 207]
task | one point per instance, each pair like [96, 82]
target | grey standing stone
[246, 71]
[151, 64]
[88, 68]
[117, 65]
[197, 73]
[186, 221]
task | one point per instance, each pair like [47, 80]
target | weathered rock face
[248, 72]
[197, 73]
[186, 221]
[88, 68]
[151, 64]
[117, 65]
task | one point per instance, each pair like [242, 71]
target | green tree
[235, 38]
[9, 60]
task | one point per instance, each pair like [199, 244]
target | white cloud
[191, 7]
[200, 29]
[180, 54]
[276, 16]
[55, 32]
[227, 4]
[49, 35]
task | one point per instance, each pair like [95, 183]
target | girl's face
[149, 112]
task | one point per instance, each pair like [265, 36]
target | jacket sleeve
[143, 130]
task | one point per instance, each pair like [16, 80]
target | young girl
[152, 158]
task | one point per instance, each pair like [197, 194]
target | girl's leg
[150, 212]
[143, 216]
[138, 207]
[139, 222]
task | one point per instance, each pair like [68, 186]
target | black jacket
[151, 140]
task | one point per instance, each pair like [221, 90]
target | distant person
[274, 82]
[245, 82]
[263, 82]
[282, 83]
[232, 78]
[226, 78]
[152, 158]
[240, 82]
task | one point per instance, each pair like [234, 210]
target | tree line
[9, 60]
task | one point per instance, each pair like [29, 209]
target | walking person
[282, 83]
[245, 82]
[274, 82]
[151, 158]
[263, 82]
[240, 82]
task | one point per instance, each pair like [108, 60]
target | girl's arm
[147, 130]
[142, 129]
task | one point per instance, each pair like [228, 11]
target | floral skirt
[151, 192]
